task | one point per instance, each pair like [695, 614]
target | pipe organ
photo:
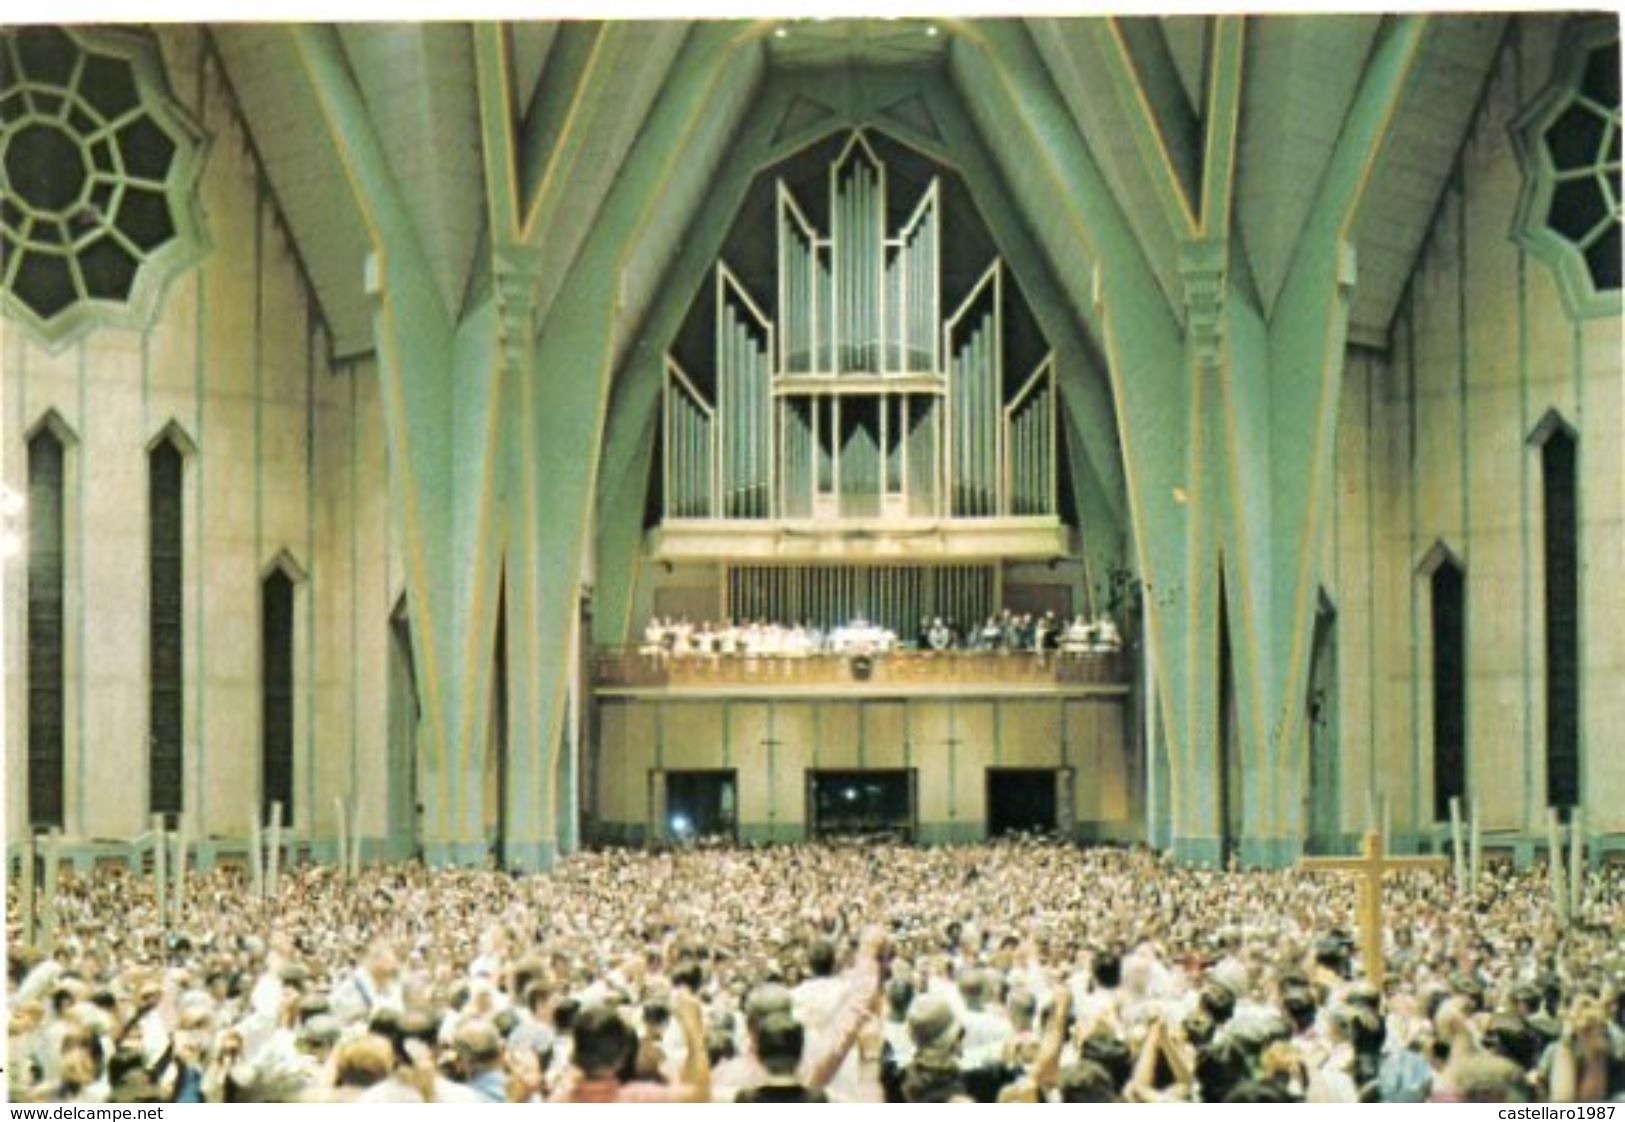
[858, 400]
[897, 597]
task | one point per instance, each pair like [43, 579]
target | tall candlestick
[1576, 863]
[1554, 862]
[29, 897]
[1478, 849]
[178, 911]
[355, 838]
[1459, 854]
[342, 858]
[273, 862]
[160, 881]
[53, 862]
[256, 858]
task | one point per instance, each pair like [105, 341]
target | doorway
[858, 803]
[1021, 800]
[702, 804]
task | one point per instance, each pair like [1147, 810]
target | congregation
[1023, 970]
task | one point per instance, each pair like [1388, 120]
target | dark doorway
[861, 802]
[1020, 800]
[701, 804]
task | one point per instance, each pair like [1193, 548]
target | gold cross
[1369, 867]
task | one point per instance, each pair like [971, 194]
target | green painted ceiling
[581, 93]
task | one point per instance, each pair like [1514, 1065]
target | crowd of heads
[1026, 970]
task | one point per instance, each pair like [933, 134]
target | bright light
[931, 31]
[680, 825]
[780, 33]
[851, 794]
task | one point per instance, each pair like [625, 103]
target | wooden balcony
[625, 671]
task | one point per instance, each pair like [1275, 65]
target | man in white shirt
[374, 985]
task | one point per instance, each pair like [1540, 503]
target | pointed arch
[175, 434]
[1552, 423]
[285, 563]
[53, 422]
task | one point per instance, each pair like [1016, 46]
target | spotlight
[931, 31]
[680, 825]
[851, 794]
[780, 33]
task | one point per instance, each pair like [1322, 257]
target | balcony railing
[627, 668]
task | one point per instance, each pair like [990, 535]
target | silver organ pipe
[689, 456]
[1030, 421]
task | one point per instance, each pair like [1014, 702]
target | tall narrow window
[166, 568]
[45, 662]
[1557, 460]
[1449, 596]
[276, 695]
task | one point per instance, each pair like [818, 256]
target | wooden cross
[1369, 867]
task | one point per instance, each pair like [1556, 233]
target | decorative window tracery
[97, 173]
[1569, 142]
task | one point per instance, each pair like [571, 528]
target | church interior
[653, 497]
[375, 393]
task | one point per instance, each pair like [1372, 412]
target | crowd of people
[1017, 971]
[665, 637]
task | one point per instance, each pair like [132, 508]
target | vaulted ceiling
[581, 93]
